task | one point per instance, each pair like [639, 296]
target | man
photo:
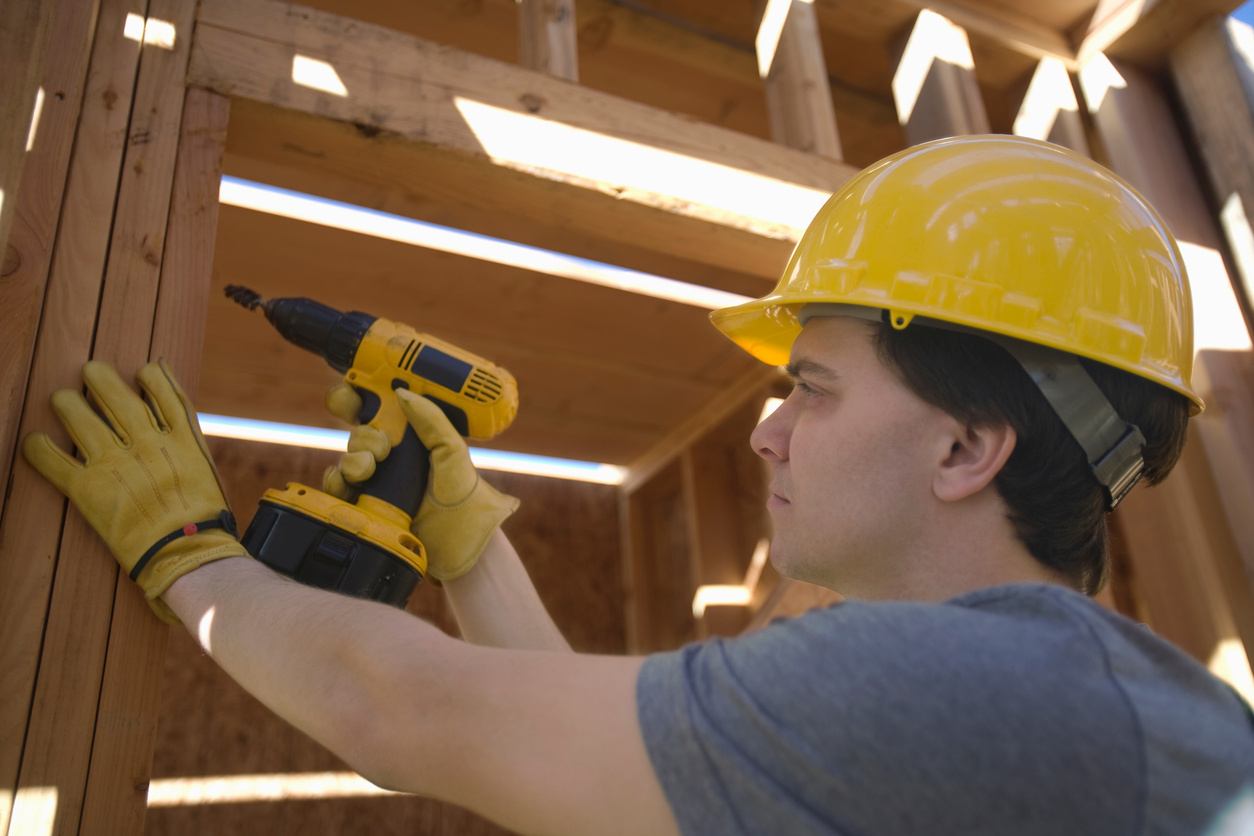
[991, 342]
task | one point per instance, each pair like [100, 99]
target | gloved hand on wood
[146, 483]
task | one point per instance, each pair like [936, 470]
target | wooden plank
[1049, 110]
[1184, 599]
[752, 385]
[116, 797]
[36, 212]
[1144, 32]
[25, 30]
[657, 564]
[934, 86]
[798, 95]
[335, 160]
[30, 532]
[1217, 92]
[64, 717]
[546, 38]
[505, 119]
[1226, 431]
[725, 481]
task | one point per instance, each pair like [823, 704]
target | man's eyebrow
[798, 368]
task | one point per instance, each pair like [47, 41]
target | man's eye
[804, 388]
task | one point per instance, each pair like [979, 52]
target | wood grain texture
[481, 109]
[1144, 33]
[31, 530]
[1216, 87]
[1176, 535]
[25, 30]
[121, 755]
[1226, 432]
[948, 102]
[798, 94]
[546, 38]
[37, 210]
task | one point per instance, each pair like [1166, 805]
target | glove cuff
[225, 521]
[482, 512]
[180, 555]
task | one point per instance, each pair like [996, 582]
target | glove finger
[177, 411]
[91, 434]
[429, 422]
[343, 402]
[334, 484]
[57, 466]
[356, 467]
[125, 411]
[367, 439]
[170, 403]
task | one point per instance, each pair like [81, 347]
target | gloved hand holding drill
[146, 484]
[459, 511]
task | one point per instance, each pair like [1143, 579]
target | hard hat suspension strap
[1112, 446]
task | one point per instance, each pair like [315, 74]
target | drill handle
[401, 478]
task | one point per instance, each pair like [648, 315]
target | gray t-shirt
[1014, 710]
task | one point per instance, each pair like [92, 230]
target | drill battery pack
[337, 547]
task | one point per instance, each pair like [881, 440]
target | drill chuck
[315, 327]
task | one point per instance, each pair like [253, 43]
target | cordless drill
[365, 548]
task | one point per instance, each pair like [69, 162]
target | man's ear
[976, 456]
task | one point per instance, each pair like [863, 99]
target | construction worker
[991, 342]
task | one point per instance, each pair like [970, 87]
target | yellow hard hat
[999, 234]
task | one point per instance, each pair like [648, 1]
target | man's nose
[769, 438]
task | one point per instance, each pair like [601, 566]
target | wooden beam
[748, 387]
[1143, 32]
[798, 95]
[1226, 430]
[1049, 109]
[546, 38]
[31, 528]
[1212, 71]
[37, 209]
[657, 567]
[934, 85]
[95, 698]
[1004, 25]
[1185, 599]
[498, 118]
[116, 798]
[725, 491]
[25, 29]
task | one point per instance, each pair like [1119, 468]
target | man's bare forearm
[314, 658]
[496, 603]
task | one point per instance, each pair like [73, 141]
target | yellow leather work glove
[147, 484]
[459, 511]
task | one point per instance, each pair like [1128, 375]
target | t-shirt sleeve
[855, 719]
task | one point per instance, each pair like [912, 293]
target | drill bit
[250, 299]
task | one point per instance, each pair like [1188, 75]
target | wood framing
[934, 85]
[798, 94]
[111, 255]
[84, 724]
[507, 121]
[25, 29]
[1216, 85]
[546, 37]
[1177, 536]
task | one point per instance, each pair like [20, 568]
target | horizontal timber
[504, 123]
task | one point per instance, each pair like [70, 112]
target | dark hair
[1055, 502]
